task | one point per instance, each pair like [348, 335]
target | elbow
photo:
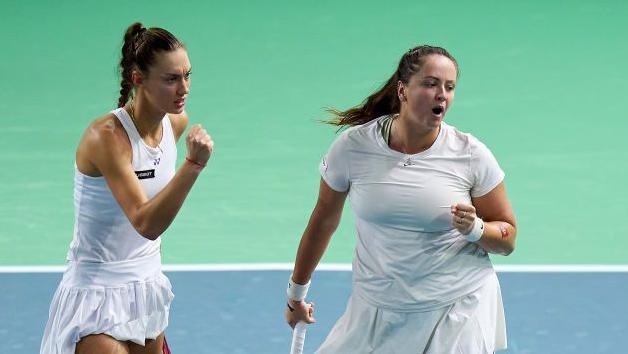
[508, 248]
[149, 235]
[507, 251]
[146, 231]
[508, 236]
[145, 224]
[331, 226]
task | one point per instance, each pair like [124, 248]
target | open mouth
[438, 110]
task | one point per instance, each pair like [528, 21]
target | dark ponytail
[138, 52]
[385, 100]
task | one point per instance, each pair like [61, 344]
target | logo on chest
[145, 174]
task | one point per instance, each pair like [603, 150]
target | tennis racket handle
[298, 338]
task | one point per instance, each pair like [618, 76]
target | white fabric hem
[131, 311]
[472, 325]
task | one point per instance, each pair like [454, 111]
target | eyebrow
[177, 74]
[438, 79]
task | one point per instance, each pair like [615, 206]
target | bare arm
[105, 149]
[323, 222]
[178, 122]
[500, 226]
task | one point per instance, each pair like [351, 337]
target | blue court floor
[242, 311]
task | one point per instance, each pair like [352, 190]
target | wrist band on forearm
[297, 292]
[477, 231]
[195, 163]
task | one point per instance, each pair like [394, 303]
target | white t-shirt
[409, 257]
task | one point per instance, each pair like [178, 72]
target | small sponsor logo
[145, 174]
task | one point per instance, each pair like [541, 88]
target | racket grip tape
[298, 338]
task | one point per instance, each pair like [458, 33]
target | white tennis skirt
[474, 324]
[128, 300]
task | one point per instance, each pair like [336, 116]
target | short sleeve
[334, 166]
[485, 170]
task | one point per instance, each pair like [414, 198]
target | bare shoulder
[105, 132]
[179, 122]
[104, 139]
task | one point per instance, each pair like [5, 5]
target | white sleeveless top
[102, 232]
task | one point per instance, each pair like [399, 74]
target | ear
[136, 78]
[401, 91]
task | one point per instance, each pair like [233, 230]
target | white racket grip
[298, 338]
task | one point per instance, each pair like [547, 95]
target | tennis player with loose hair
[113, 297]
[429, 204]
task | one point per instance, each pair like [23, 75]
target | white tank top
[102, 232]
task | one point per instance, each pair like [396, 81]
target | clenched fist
[200, 145]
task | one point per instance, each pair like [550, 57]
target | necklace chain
[132, 114]
[137, 127]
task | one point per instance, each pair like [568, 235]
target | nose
[440, 94]
[184, 87]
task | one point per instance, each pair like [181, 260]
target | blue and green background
[542, 83]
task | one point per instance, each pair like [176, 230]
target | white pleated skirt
[474, 324]
[128, 300]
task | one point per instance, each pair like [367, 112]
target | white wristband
[297, 292]
[477, 231]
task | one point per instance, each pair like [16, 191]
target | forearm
[498, 237]
[153, 217]
[313, 244]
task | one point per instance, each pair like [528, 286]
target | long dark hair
[138, 52]
[385, 100]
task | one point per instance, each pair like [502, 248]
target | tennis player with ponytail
[429, 204]
[113, 297]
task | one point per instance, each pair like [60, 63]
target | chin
[435, 123]
[175, 110]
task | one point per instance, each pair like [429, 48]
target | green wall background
[543, 84]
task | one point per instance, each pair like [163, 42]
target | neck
[409, 138]
[146, 118]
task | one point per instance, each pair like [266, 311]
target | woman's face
[430, 92]
[167, 84]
